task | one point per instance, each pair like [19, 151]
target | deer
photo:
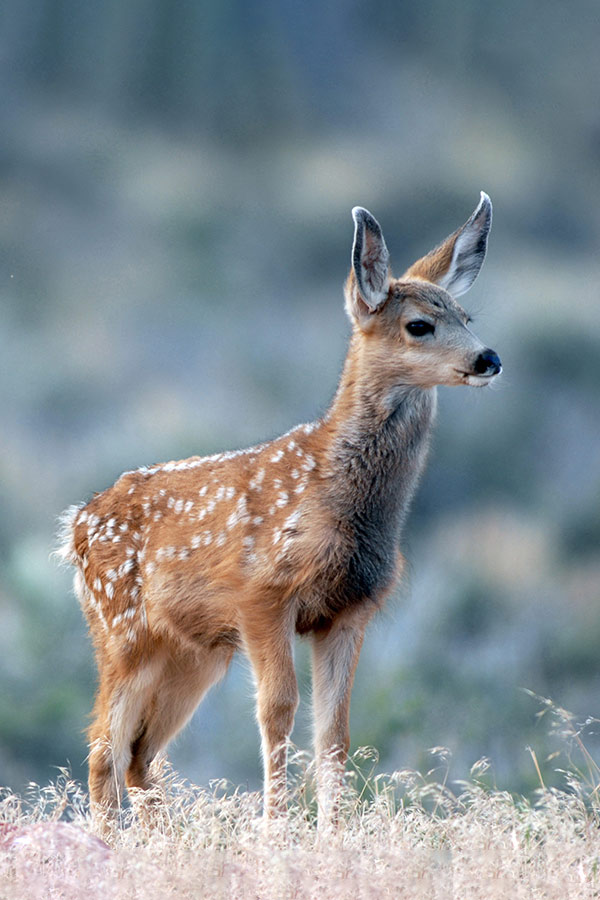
[181, 564]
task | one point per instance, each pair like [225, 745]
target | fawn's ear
[455, 264]
[368, 283]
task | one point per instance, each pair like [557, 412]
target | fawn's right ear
[369, 279]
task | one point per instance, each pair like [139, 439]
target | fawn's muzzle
[487, 363]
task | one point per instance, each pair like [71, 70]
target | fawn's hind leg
[184, 680]
[119, 705]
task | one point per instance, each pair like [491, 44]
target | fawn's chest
[372, 478]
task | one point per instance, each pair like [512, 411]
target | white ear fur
[370, 259]
[469, 250]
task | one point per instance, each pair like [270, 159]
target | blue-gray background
[176, 182]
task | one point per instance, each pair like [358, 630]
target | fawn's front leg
[335, 653]
[269, 644]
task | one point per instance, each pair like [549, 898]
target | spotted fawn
[179, 565]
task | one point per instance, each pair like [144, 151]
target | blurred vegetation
[175, 187]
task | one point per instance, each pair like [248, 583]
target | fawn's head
[415, 333]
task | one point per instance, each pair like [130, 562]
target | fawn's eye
[419, 328]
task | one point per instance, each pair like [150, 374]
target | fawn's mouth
[474, 380]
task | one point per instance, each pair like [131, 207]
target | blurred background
[176, 182]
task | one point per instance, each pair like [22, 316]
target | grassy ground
[404, 835]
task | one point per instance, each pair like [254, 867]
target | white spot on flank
[277, 456]
[97, 585]
[184, 553]
[272, 510]
[221, 539]
[248, 541]
[293, 519]
[291, 445]
[125, 567]
[276, 535]
[239, 514]
[157, 516]
[220, 493]
[230, 493]
[124, 526]
[170, 552]
[150, 568]
[309, 464]
[210, 506]
[257, 520]
[130, 551]
[282, 499]
[284, 548]
[82, 518]
[207, 538]
[195, 542]
[129, 612]
[116, 620]
[111, 575]
[300, 487]
[203, 490]
[131, 489]
[188, 505]
[109, 590]
[178, 506]
[255, 484]
[171, 502]
[277, 483]
[295, 473]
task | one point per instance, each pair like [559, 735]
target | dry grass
[402, 836]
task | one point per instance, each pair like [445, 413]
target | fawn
[181, 564]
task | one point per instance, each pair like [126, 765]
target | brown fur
[182, 563]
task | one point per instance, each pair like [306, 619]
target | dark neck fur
[377, 449]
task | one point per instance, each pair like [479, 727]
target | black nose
[488, 363]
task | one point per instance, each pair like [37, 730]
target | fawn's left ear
[369, 280]
[455, 264]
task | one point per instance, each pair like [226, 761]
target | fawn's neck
[378, 439]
